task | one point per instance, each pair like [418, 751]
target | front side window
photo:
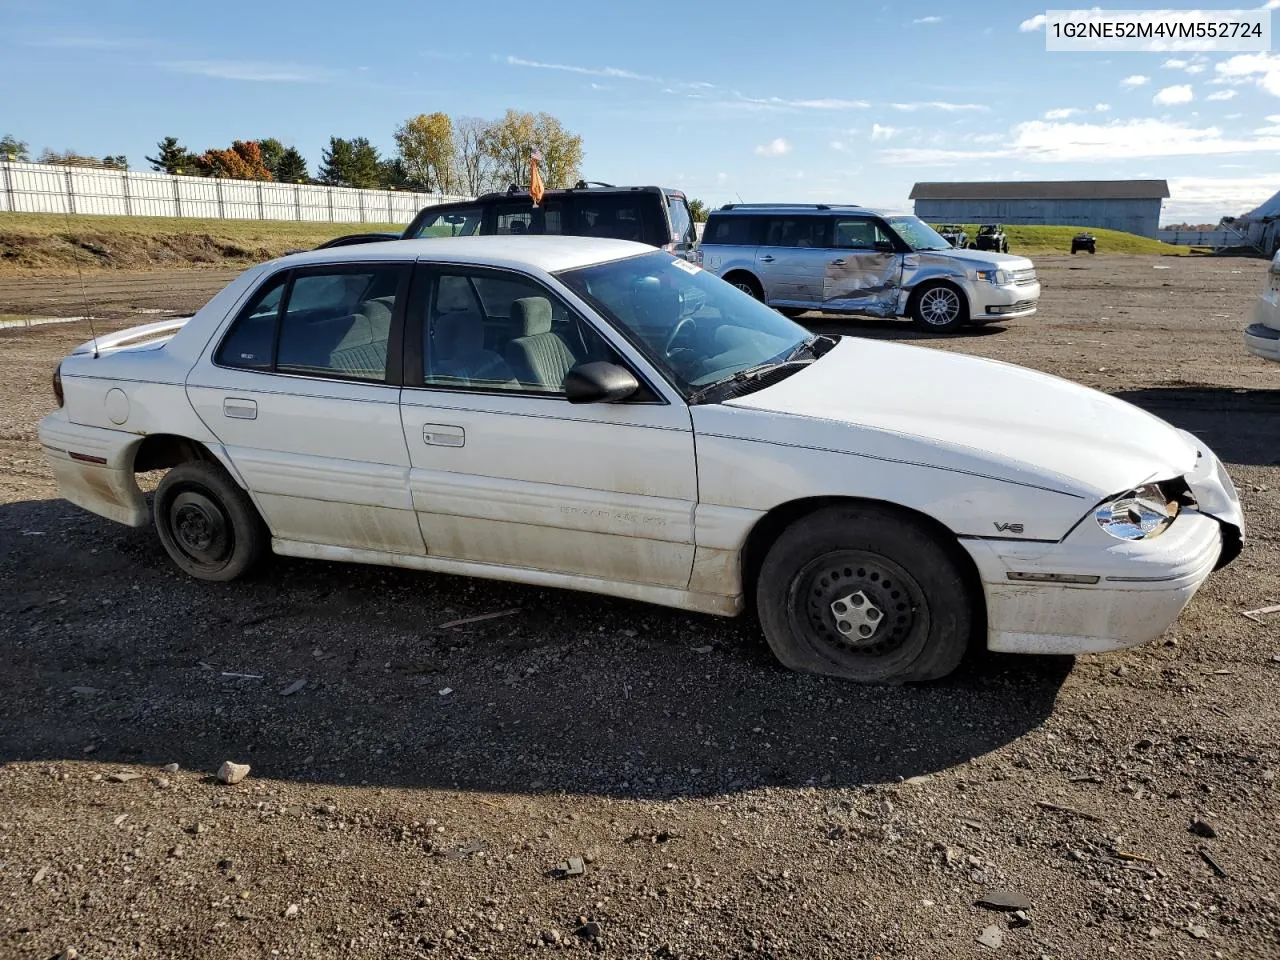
[490, 330]
[456, 222]
[330, 323]
[692, 325]
[681, 221]
[796, 232]
[859, 234]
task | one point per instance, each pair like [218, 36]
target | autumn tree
[291, 167]
[11, 148]
[474, 165]
[512, 139]
[173, 157]
[243, 161]
[427, 151]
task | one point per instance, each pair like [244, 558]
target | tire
[1073, 251]
[207, 523]
[864, 562]
[938, 308]
[1004, 247]
[747, 284]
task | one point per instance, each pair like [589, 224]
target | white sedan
[598, 415]
[1262, 337]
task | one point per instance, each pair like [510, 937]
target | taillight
[57, 383]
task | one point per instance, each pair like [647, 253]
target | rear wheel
[747, 284]
[939, 308]
[865, 594]
[207, 523]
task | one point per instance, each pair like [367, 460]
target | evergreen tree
[291, 167]
[173, 157]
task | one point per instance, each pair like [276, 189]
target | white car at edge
[1262, 337]
[594, 414]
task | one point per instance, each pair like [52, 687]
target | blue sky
[805, 101]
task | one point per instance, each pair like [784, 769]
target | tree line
[434, 153]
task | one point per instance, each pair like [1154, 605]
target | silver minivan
[854, 260]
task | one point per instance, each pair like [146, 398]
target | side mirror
[884, 246]
[599, 382]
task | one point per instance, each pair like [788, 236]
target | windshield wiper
[748, 373]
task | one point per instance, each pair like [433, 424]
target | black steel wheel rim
[838, 579]
[201, 528]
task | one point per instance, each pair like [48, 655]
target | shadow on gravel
[872, 329]
[1238, 425]
[112, 656]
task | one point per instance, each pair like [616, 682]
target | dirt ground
[414, 796]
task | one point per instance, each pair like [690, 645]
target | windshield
[917, 234]
[694, 326]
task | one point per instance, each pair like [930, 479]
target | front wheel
[865, 594]
[747, 284]
[207, 523]
[939, 308]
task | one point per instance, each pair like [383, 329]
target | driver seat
[538, 357]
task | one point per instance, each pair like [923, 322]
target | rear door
[792, 258]
[303, 392]
[863, 274]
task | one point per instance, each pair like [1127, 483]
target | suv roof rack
[762, 206]
[584, 184]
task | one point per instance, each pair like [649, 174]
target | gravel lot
[413, 797]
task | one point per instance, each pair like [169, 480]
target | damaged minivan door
[863, 270]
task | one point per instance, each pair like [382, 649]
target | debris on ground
[1202, 828]
[479, 619]
[232, 773]
[997, 899]
[296, 687]
[991, 937]
[573, 867]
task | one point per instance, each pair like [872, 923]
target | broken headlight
[1140, 514]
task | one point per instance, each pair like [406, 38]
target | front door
[863, 274]
[303, 392]
[505, 471]
[791, 260]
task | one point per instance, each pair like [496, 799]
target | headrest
[533, 314]
[458, 333]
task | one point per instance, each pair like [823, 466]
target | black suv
[657, 216]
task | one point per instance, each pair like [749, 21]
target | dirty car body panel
[454, 458]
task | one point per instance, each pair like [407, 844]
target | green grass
[1029, 239]
[245, 232]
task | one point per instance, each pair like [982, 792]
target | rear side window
[681, 221]
[727, 230]
[523, 217]
[619, 217]
[456, 222]
[795, 232]
[330, 323]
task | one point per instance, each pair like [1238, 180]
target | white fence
[1199, 238]
[47, 188]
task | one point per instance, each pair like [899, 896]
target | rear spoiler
[160, 330]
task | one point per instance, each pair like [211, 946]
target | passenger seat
[538, 357]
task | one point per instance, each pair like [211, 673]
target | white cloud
[1171, 96]
[1135, 80]
[1222, 95]
[1246, 66]
[1035, 23]
[1079, 142]
[774, 148]
[615, 72]
[1102, 107]
[941, 105]
[1174, 64]
[1208, 198]
[929, 20]
[1196, 68]
[273, 72]
[782, 103]
[882, 133]
[839, 145]
[1061, 113]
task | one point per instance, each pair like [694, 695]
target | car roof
[749, 209]
[548, 253]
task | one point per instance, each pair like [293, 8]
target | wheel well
[161, 451]
[935, 282]
[746, 275]
[769, 527]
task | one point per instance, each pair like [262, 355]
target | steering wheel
[675, 334]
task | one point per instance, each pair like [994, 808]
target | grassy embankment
[1029, 240]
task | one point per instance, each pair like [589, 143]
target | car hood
[1009, 422]
[973, 258]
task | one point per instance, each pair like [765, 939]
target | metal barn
[1129, 205]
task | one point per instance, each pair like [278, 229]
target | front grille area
[1023, 277]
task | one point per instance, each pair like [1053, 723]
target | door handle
[238, 408]
[443, 435]
[838, 263]
[766, 259]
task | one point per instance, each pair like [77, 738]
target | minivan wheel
[939, 308]
[864, 594]
[207, 523]
[747, 284]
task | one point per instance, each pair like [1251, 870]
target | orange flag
[536, 189]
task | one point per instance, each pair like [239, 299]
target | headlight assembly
[999, 277]
[1140, 514]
